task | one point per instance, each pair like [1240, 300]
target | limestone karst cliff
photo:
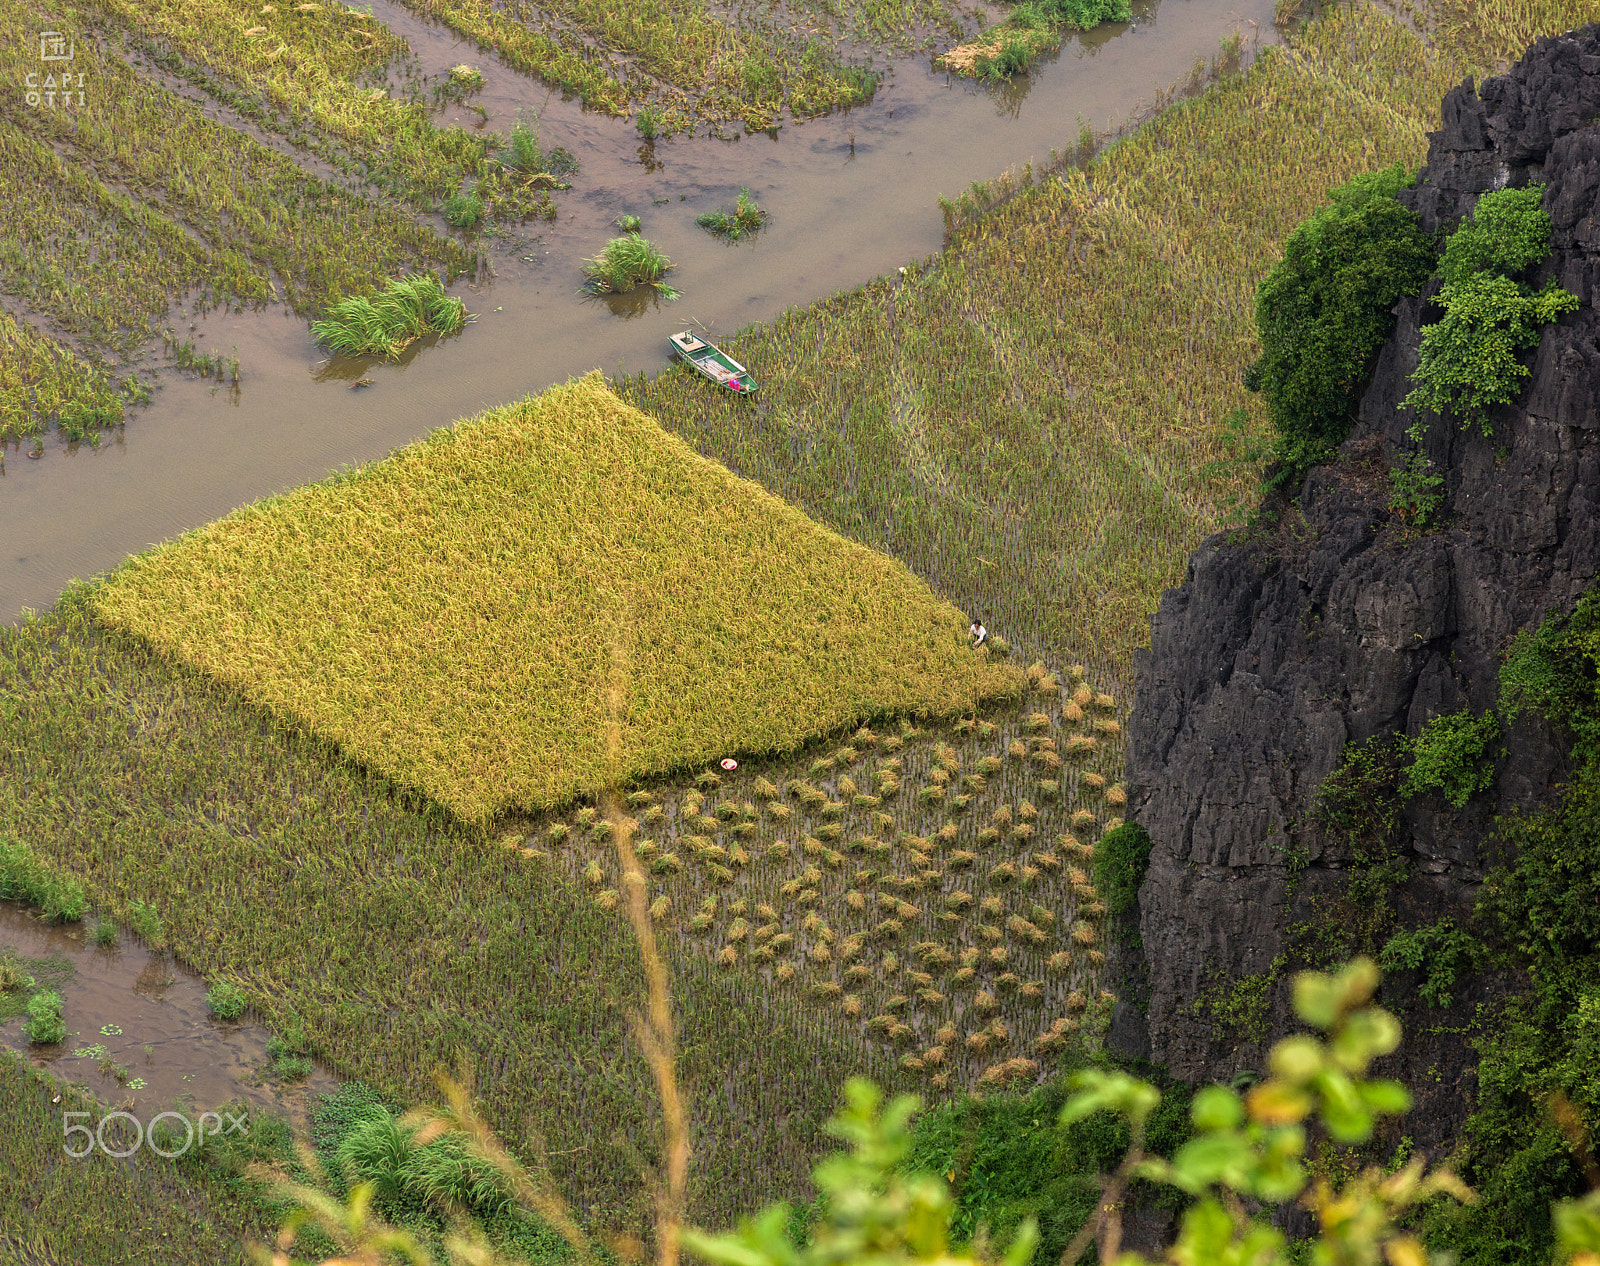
[1340, 623]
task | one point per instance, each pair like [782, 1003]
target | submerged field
[454, 615]
[1035, 419]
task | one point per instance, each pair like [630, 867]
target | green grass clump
[45, 1024]
[227, 1001]
[26, 877]
[392, 319]
[746, 217]
[1326, 308]
[463, 210]
[626, 262]
[744, 626]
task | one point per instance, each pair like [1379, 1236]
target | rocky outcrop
[1341, 624]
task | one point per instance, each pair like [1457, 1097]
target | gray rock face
[1340, 625]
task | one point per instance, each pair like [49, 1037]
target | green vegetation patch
[455, 615]
[626, 262]
[1469, 362]
[1326, 308]
[98, 1211]
[746, 217]
[391, 320]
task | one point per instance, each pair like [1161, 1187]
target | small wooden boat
[716, 365]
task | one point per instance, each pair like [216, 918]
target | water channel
[851, 197]
[140, 1033]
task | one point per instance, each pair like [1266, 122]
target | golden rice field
[1031, 419]
[451, 615]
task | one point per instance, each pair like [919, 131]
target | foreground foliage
[1243, 1147]
[397, 610]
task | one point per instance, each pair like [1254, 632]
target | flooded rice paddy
[851, 196]
[139, 1030]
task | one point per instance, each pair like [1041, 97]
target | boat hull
[713, 363]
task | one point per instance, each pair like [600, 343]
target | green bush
[1451, 755]
[45, 1025]
[1414, 493]
[1508, 232]
[1469, 359]
[1120, 860]
[1554, 671]
[1012, 1161]
[1547, 902]
[1444, 949]
[1325, 309]
[24, 877]
[1543, 1049]
[227, 1001]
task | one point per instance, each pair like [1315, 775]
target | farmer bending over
[978, 632]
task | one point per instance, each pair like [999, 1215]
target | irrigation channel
[139, 1030]
[851, 196]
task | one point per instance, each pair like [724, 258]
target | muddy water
[151, 1017]
[851, 197]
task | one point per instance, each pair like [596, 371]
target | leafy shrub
[24, 877]
[1415, 494]
[1508, 232]
[227, 1001]
[1120, 860]
[104, 933]
[1444, 949]
[1451, 755]
[1540, 1058]
[1081, 15]
[45, 1025]
[628, 223]
[1547, 902]
[1469, 359]
[1325, 309]
[1554, 671]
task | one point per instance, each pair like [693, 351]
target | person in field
[978, 632]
